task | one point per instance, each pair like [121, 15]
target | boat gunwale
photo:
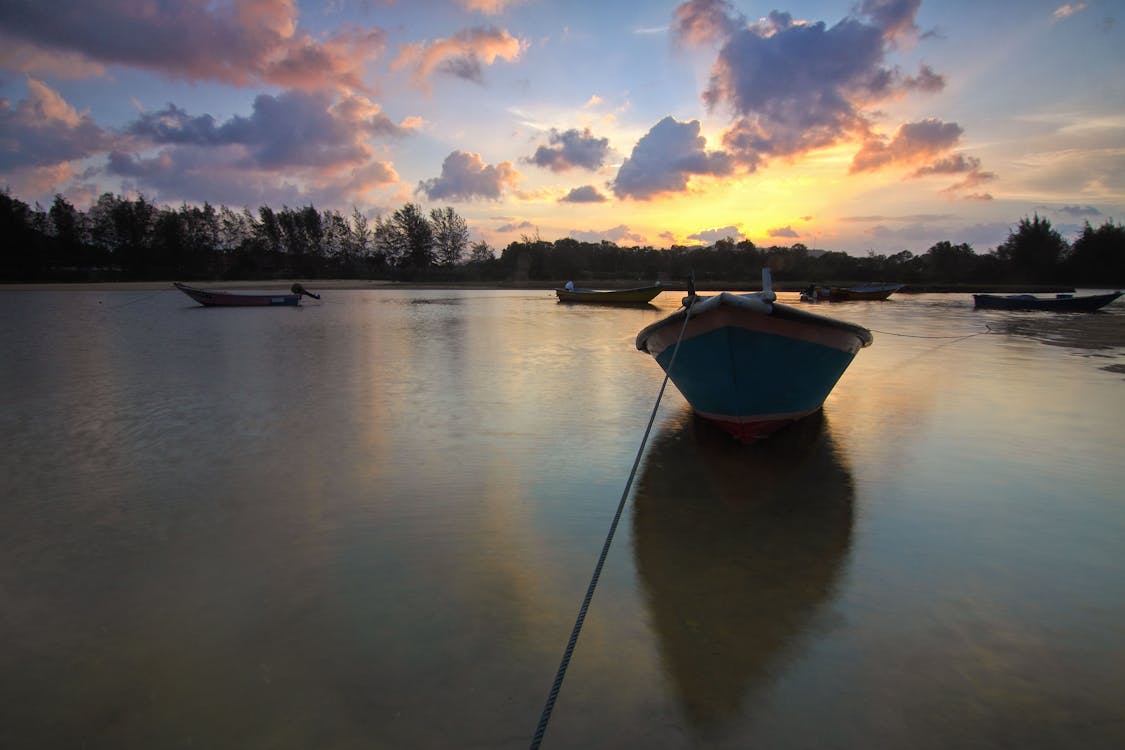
[753, 303]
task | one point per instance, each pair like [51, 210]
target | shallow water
[370, 521]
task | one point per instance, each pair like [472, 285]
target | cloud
[665, 158]
[895, 17]
[786, 231]
[669, 237]
[973, 179]
[515, 227]
[487, 7]
[571, 148]
[714, 235]
[16, 54]
[793, 86]
[913, 142]
[584, 194]
[465, 176]
[955, 164]
[463, 55]
[926, 80]
[240, 44]
[618, 234]
[44, 131]
[703, 21]
[291, 129]
[1075, 211]
[296, 147]
[219, 175]
[1066, 11]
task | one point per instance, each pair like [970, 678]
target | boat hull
[637, 296]
[753, 369]
[1088, 303]
[211, 298]
[852, 294]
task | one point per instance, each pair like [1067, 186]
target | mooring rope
[569, 651]
[919, 336]
[151, 294]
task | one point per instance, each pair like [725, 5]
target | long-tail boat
[224, 298]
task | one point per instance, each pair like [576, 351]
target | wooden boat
[1059, 303]
[635, 296]
[876, 292]
[750, 364]
[216, 298]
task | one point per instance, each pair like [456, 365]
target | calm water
[369, 523]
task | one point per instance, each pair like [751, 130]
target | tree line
[122, 239]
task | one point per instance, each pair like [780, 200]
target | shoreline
[317, 285]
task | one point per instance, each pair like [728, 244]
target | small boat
[216, 298]
[636, 296]
[749, 364]
[814, 293]
[876, 292]
[1059, 303]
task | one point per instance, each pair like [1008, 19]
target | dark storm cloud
[584, 194]
[665, 158]
[571, 148]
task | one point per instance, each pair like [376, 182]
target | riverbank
[317, 285]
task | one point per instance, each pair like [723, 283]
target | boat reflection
[737, 547]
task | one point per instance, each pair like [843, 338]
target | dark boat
[637, 296]
[1058, 303]
[749, 364]
[215, 298]
[876, 292]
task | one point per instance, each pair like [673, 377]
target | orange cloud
[462, 55]
[487, 7]
[913, 143]
[254, 41]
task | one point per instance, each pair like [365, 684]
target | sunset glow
[879, 125]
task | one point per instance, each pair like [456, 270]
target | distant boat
[1059, 303]
[876, 292]
[749, 364]
[635, 296]
[216, 298]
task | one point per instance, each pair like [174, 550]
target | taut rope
[557, 686]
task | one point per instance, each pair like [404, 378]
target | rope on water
[118, 306]
[919, 336]
[557, 686]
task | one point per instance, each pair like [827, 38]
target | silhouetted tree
[1098, 256]
[948, 263]
[1033, 252]
[450, 235]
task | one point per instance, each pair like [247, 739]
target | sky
[869, 126]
